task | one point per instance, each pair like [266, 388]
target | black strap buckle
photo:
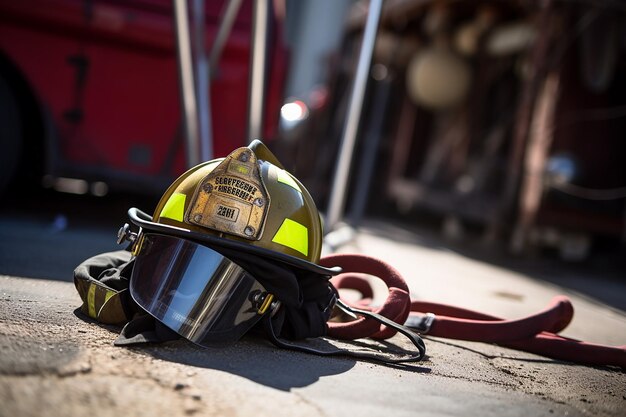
[421, 323]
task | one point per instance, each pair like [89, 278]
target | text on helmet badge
[232, 198]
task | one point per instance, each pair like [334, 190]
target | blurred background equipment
[498, 120]
[502, 118]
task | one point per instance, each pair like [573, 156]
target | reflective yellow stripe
[175, 207]
[284, 177]
[293, 235]
[108, 295]
[91, 300]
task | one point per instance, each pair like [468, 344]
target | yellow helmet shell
[249, 197]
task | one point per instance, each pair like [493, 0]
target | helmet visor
[194, 290]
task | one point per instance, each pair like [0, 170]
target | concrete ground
[54, 362]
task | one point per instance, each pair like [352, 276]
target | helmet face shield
[194, 290]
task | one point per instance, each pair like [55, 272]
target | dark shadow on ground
[258, 360]
[47, 234]
[254, 359]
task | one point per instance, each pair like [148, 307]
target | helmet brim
[144, 221]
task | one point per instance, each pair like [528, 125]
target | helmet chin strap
[382, 323]
[372, 354]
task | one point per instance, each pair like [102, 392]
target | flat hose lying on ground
[536, 333]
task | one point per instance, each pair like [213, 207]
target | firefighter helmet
[230, 240]
[249, 197]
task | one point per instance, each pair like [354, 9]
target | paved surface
[53, 362]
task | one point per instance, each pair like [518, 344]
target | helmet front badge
[232, 198]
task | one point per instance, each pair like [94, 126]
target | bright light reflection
[293, 111]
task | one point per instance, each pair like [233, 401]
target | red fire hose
[536, 333]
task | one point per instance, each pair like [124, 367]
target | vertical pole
[202, 73]
[258, 57]
[381, 94]
[186, 82]
[539, 57]
[537, 151]
[355, 107]
[227, 19]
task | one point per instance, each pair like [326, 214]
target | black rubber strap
[410, 334]
[411, 357]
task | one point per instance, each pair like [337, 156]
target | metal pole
[202, 74]
[227, 19]
[344, 162]
[382, 93]
[186, 82]
[258, 54]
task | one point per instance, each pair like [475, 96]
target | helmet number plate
[232, 198]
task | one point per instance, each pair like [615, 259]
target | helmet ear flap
[262, 152]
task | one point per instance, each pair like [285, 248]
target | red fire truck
[89, 90]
